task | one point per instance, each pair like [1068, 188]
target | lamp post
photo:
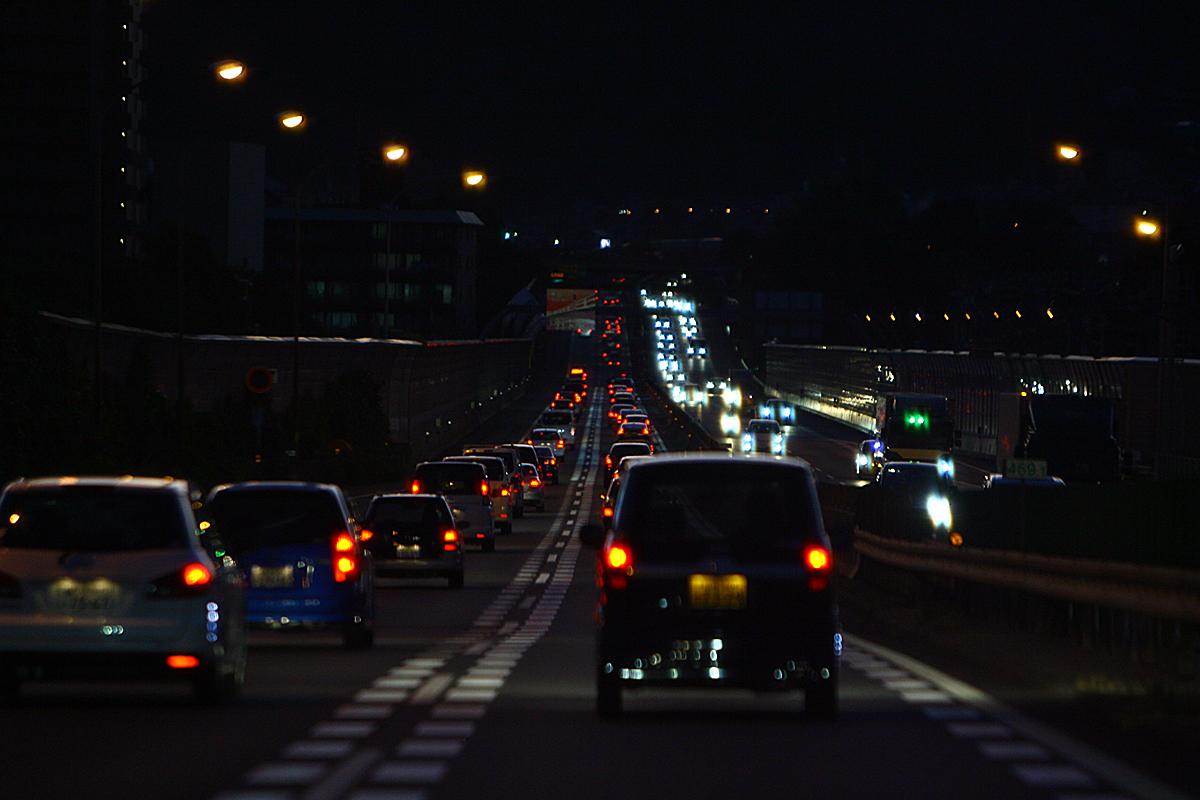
[393, 154]
[293, 121]
[1147, 227]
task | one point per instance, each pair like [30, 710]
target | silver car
[112, 577]
[465, 486]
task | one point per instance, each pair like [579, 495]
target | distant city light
[605, 244]
[868, 317]
[918, 317]
[556, 242]
[996, 314]
[892, 317]
[690, 209]
[1018, 313]
[968, 316]
[728, 210]
[658, 211]
[1050, 313]
[946, 316]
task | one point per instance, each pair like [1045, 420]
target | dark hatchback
[717, 572]
[414, 535]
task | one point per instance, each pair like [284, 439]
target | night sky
[651, 103]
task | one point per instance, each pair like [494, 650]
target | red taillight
[535, 483]
[416, 487]
[483, 488]
[345, 558]
[450, 541]
[608, 512]
[529, 441]
[504, 492]
[554, 461]
[618, 561]
[366, 535]
[197, 574]
[182, 662]
[561, 444]
[817, 559]
[608, 461]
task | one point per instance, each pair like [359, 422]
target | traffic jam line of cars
[456, 679]
[145, 578]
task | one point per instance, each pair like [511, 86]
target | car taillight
[366, 535]
[529, 441]
[608, 461]
[618, 563]
[535, 483]
[819, 562]
[182, 662]
[554, 461]
[483, 488]
[416, 487]
[504, 492]
[345, 558]
[608, 512]
[450, 541]
[196, 574]
[561, 443]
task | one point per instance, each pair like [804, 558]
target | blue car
[300, 554]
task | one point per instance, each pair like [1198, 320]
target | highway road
[488, 692]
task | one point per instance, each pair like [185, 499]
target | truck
[1074, 435]
[916, 427]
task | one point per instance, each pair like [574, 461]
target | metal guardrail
[1158, 591]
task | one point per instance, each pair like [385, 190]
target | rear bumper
[92, 665]
[266, 608]
[448, 565]
[110, 635]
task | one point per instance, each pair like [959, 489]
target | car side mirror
[463, 524]
[591, 535]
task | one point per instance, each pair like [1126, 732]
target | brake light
[345, 559]
[817, 559]
[535, 483]
[608, 461]
[529, 441]
[416, 487]
[554, 461]
[366, 535]
[196, 574]
[619, 557]
[450, 541]
[504, 492]
[561, 443]
[483, 488]
[182, 662]
[608, 512]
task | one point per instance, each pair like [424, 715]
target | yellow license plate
[717, 591]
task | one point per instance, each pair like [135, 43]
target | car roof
[716, 457]
[124, 481]
[910, 466]
[390, 496]
[277, 486]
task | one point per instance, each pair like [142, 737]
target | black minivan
[716, 572]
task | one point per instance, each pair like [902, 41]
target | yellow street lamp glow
[946, 317]
[1049, 313]
[474, 179]
[230, 71]
[1146, 227]
[691, 209]
[292, 120]
[967, 314]
[1067, 152]
[918, 317]
[996, 314]
[1018, 312]
[395, 153]
[868, 316]
[892, 317]
[728, 210]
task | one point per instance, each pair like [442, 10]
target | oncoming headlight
[938, 508]
[747, 442]
[945, 467]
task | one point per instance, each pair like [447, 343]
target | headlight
[730, 424]
[732, 396]
[860, 460]
[945, 467]
[938, 509]
[777, 443]
[747, 442]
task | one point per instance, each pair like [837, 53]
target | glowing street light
[1147, 227]
[474, 179]
[1067, 152]
[231, 71]
[395, 153]
[292, 120]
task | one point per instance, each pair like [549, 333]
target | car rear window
[450, 478]
[493, 467]
[548, 434]
[751, 511]
[93, 519]
[544, 453]
[557, 417]
[250, 519]
[914, 480]
[407, 514]
[619, 451]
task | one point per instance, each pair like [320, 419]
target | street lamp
[230, 71]
[1067, 152]
[474, 179]
[395, 153]
[1146, 227]
[292, 120]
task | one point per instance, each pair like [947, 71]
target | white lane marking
[409, 772]
[396, 683]
[886, 674]
[342, 730]
[979, 730]
[430, 748]
[1050, 776]
[475, 650]
[545, 576]
[345, 775]
[1012, 751]
[445, 728]
[1106, 767]
[506, 628]
[484, 672]
[327, 748]
[410, 672]
[925, 696]
[285, 774]
[381, 695]
[425, 662]
[527, 602]
[552, 558]
[906, 684]
[357, 711]
[432, 689]
[458, 711]
[471, 695]
[482, 682]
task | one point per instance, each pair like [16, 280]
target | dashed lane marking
[432, 689]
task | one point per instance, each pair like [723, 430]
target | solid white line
[1053, 776]
[1108, 768]
[381, 695]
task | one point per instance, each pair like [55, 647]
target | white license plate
[82, 597]
[272, 577]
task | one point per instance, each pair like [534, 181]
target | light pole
[294, 122]
[1147, 227]
[393, 154]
